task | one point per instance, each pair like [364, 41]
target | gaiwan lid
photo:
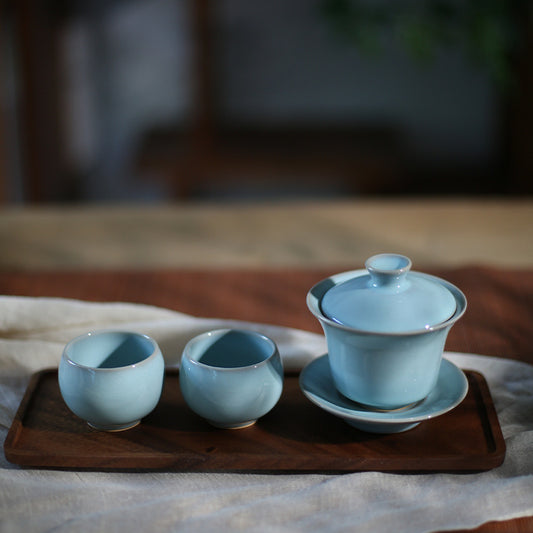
[389, 299]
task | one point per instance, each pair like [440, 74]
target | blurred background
[164, 100]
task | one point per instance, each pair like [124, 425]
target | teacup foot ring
[239, 425]
[114, 428]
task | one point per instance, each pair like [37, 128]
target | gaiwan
[385, 329]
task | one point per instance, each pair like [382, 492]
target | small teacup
[111, 379]
[231, 377]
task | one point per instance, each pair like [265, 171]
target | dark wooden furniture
[206, 151]
[36, 30]
[198, 154]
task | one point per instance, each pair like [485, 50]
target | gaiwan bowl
[111, 379]
[385, 330]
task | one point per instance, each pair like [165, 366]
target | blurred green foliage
[487, 31]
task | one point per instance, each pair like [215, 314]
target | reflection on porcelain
[231, 377]
[449, 391]
[385, 329]
[111, 379]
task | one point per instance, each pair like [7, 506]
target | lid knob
[388, 269]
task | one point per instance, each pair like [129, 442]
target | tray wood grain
[296, 436]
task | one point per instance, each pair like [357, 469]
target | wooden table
[497, 322]
[222, 264]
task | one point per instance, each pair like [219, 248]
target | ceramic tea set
[385, 328]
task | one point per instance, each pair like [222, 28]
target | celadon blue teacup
[231, 377]
[385, 329]
[111, 379]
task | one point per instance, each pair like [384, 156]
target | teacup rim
[154, 354]
[221, 331]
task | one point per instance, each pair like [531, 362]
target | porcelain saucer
[317, 385]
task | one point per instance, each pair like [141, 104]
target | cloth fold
[33, 332]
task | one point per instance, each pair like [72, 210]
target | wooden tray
[296, 436]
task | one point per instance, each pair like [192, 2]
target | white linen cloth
[33, 332]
